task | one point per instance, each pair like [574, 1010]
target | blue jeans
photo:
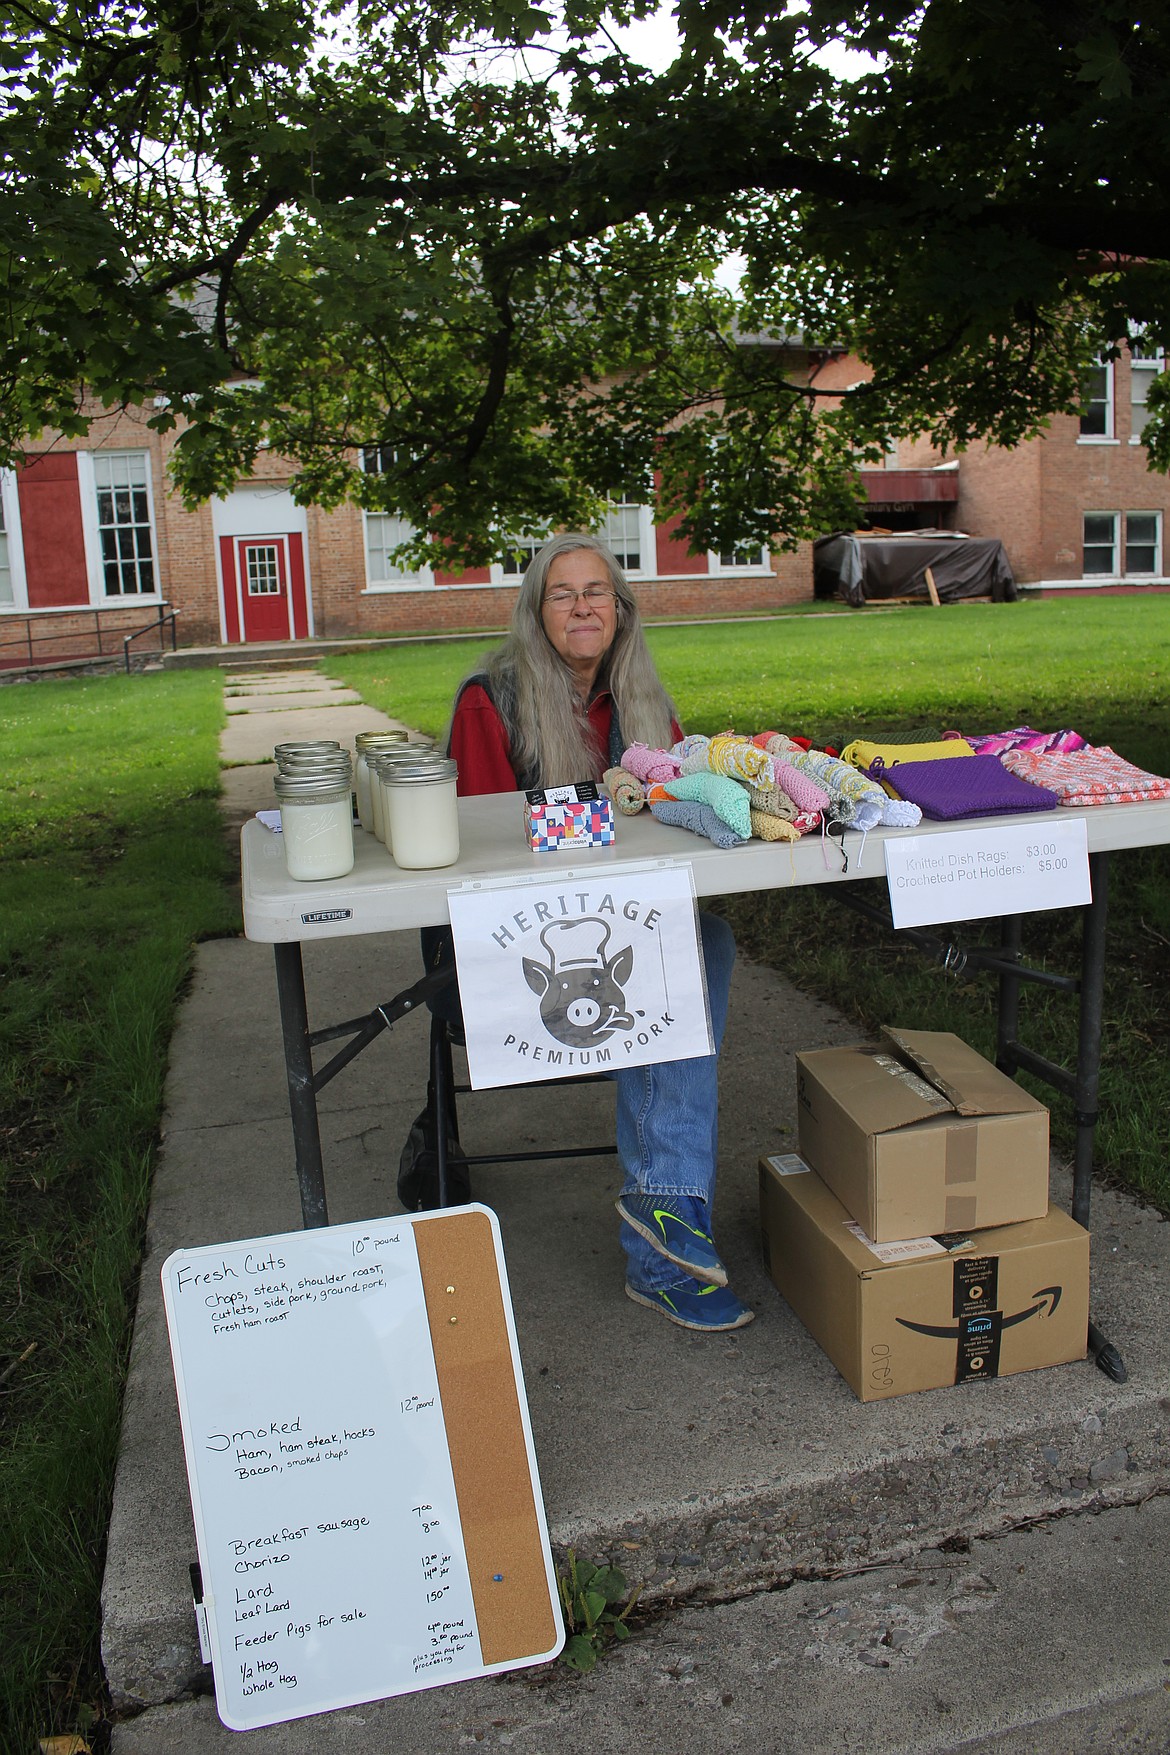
[668, 1117]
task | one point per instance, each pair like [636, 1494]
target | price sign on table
[1020, 867]
[362, 1475]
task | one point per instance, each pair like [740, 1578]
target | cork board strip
[503, 1531]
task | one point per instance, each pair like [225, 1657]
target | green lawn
[1099, 664]
[114, 864]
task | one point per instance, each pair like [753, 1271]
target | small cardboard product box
[922, 1134]
[569, 817]
[924, 1312]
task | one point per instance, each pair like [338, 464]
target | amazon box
[921, 1135]
[564, 818]
[923, 1312]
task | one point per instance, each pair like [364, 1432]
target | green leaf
[579, 1653]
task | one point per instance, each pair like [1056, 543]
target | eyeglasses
[593, 596]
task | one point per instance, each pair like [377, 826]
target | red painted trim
[300, 600]
[673, 555]
[473, 576]
[231, 613]
[51, 529]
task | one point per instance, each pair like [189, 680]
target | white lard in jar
[420, 802]
[316, 819]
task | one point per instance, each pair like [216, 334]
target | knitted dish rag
[626, 790]
[806, 821]
[854, 800]
[738, 758]
[649, 765]
[688, 813]
[725, 754]
[770, 828]
[1024, 738]
[773, 801]
[727, 798]
[802, 789]
[1094, 775]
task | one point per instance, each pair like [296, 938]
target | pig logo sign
[580, 987]
[576, 976]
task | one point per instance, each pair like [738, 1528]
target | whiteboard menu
[363, 1479]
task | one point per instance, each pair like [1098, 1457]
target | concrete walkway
[976, 1567]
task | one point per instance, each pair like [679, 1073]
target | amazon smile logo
[1048, 1298]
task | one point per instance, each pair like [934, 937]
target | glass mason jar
[420, 801]
[376, 763]
[384, 772]
[367, 744]
[316, 819]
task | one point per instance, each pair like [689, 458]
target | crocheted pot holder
[979, 786]
[862, 754]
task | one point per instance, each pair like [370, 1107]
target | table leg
[302, 1095]
[1088, 1074]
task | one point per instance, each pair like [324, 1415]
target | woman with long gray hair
[572, 686]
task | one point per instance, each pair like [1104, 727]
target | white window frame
[418, 579]
[717, 566]
[99, 597]
[1113, 572]
[421, 579]
[1109, 436]
[10, 502]
[1156, 571]
[534, 542]
[1143, 369]
[647, 537]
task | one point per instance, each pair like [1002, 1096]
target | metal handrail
[165, 614]
[35, 634]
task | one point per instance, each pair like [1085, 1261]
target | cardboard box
[569, 817]
[916, 1314]
[922, 1135]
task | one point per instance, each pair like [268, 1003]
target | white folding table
[378, 897]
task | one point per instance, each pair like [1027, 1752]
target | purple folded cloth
[972, 786]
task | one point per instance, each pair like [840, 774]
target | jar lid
[321, 764]
[371, 739]
[311, 787]
[306, 744]
[423, 773]
[376, 760]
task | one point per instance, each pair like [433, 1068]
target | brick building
[93, 537]
[93, 545]
[1075, 509]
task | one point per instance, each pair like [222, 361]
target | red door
[262, 570]
[265, 590]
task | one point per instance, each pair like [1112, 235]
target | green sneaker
[676, 1226]
[692, 1305]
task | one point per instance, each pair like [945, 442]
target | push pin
[450, 1288]
[454, 1319]
[497, 1578]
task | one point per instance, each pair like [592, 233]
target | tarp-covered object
[860, 569]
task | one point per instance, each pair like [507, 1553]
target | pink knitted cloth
[1093, 775]
[651, 766]
[1024, 738]
[804, 792]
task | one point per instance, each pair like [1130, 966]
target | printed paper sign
[972, 874]
[580, 976]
